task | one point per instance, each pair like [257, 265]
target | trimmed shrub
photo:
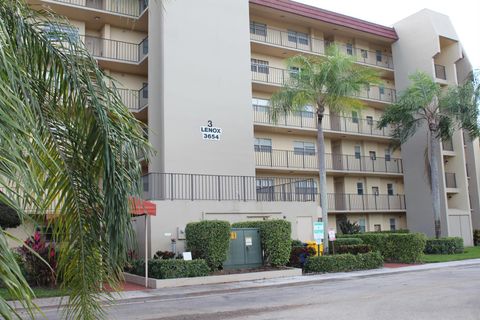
[448, 245]
[209, 240]
[353, 249]
[170, 268]
[476, 237]
[8, 217]
[275, 236]
[344, 262]
[297, 243]
[396, 247]
[347, 241]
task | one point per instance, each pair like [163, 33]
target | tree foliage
[8, 217]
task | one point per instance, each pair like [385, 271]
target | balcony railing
[447, 145]
[280, 77]
[365, 202]
[339, 162]
[310, 44]
[450, 180]
[440, 72]
[135, 100]
[116, 50]
[307, 119]
[132, 8]
[180, 186]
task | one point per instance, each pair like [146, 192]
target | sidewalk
[170, 293]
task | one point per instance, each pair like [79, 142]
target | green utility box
[245, 249]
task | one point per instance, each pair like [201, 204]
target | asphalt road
[450, 293]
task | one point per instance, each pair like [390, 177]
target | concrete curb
[189, 291]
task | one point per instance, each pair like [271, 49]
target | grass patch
[39, 293]
[470, 253]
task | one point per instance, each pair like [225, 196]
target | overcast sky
[465, 15]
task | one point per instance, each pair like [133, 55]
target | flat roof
[329, 17]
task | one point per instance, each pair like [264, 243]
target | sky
[465, 16]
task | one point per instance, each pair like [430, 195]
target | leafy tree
[322, 82]
[348, 227]
[8, 217]
[424, 103]
[66, 142]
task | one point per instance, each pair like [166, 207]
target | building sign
[318, 232]
[209, 132]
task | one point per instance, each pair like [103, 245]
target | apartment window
[393, 225]
[377, 228]
[306, 187]
[388, 155]
[294, 71]
[298, 37]
[145, 90]
[381, 88]
[349, 48]
[375, 191]
[145, 46]
[369, 120]
[307, 112]
[304, 148]
[354, 116]
[263, 145]
[373, 155]
[359, 188]
[390, 189]
[358, 152]
[260, 104]
[378, 54]
[257, 28]
[364, 53]
[265, 189]
[362, 225]
[56, 32]
[260, 66]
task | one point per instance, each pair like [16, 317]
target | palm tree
[322, 82]
[67, 142]
[424, 103]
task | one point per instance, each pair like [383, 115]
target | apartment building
[200, 74]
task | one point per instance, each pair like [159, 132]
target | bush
[449, 245]
[171, 268]
[353, 249]
[344, 262]
[476, 237]
[348, 227]
[209, 240]
[275, 236]
[347, 241]
[8, 217]
[396, 247]
[299, 255]
[297, 243]
[165, 255]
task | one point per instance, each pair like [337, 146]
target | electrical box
[245, 250]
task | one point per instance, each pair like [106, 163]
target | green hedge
[396, 247]
[449, 245]
[209, 240]
[276, 242]
[347, 241]
[353, 249]
[344, 262]
[171, 268]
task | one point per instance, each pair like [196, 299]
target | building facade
[200, 75]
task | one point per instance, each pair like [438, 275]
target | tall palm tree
[67, 142]
[320, 82]
[424, 103]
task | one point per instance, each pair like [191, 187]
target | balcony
[180, 186]
[440, 72]
[343, 202]
[450, 180]
[288, 159]
[306, 43]
[264, 74]
[331, 123]
[133, 8]
[135, 100]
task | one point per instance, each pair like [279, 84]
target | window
[377, 228]
[263, 145]
[364, 53]
[56, 32]
[358, 153]
[260, 104]
[388, 154]
[260, 66]
[375, 191]
[381, 88]
[393, 226]
[390, 189]
[378, 54]
[349, 49]
[369, 120]
[257, 28]
[265, 189]
[144, 90]
[373, 155]
[361, 224]
[306, 187]
[294, 72]
[307, 112]
[360, 188]
[298, 37]
[354, 116]
[304, 148]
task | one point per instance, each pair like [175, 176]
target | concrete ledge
[181, 282]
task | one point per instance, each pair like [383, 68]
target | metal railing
[271, 75]
[116, 50]
[308, 119]
[135, 100]
[132, 8]
[447, 145]
[341, 162]
[180, 186]
[450, 180]
[361, 202]
[314, 45]
[440, 72]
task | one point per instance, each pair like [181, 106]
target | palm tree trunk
[434, 181]
[323, 179]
